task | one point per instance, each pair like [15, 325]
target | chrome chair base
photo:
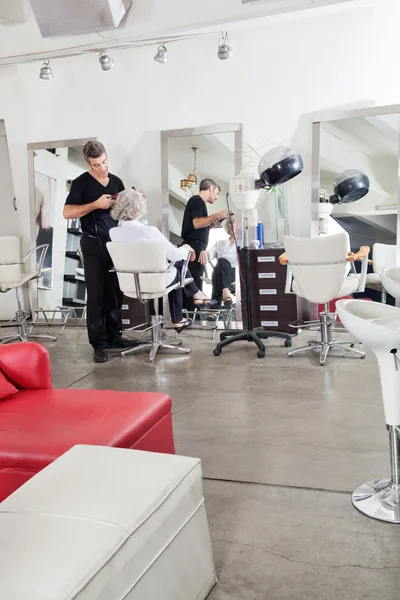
[379, 499]
[7, 339]
[156, 340]
[326, 343]
[326, 347]
[21, 335]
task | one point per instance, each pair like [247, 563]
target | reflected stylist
[90, 200]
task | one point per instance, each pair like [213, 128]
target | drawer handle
[264, 259]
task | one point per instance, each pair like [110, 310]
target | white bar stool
[378, 326]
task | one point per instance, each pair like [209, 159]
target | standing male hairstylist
[90, 200]
[196, 225]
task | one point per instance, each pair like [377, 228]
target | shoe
[228, 302]
[178, 327]
[100, 355]
[123, 342]
[204, 304]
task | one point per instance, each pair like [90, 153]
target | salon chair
[378, 326]
[140, 267]
[383, 256]
[390, 278]
[13, 275]
[317, 272]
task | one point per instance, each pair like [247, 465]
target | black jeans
[222, 277]
[104, 298]
[175, 298]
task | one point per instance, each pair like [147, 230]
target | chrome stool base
[379, 499]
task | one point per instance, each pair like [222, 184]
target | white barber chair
[383, 257]
[317, 272]
[13, 277]
[378, 326]
[390, 278]
[140, 267]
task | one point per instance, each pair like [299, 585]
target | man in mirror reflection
[90, 199]
[196, 226]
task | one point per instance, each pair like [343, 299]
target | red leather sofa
[39, 423]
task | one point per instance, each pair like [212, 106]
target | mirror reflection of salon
[367, 150]
[191, 159]
[54, 168]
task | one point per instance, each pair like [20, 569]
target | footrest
[299, 324]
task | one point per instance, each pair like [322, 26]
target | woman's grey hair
[130, 205]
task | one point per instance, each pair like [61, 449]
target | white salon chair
[378, 326]
[12, 276]
[317, 272]
[141, 270]
[383, 257]
[390, 278]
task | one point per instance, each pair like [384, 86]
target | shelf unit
[74, 293]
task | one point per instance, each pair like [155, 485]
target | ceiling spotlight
[224, 49]
[105, 61]
[45, 71]
[162, 55]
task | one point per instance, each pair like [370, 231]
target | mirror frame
[235, 128]
[33, 289]
[371, 111]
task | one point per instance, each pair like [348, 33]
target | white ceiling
[150, 21]
[375, 137]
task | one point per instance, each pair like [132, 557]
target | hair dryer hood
[350, 186]
[279, 165]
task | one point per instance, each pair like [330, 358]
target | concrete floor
[283, 443]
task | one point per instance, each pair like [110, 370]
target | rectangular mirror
[369, 141]
[53, 166]
[188, 156]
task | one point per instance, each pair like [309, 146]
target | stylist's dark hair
[93, 150]
[206, 184]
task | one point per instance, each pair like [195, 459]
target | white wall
[278, 78]
[61, 169]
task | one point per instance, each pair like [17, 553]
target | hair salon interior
[200, 300]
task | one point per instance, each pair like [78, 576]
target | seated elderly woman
[130, 206]
[224, 273]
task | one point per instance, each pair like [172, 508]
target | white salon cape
[134, 231]
[223, 249]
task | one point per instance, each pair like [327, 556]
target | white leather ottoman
[107, 524]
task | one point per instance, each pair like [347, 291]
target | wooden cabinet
[270, 306]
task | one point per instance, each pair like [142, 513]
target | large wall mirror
[52, 168]
[368, 141]
[188, 156]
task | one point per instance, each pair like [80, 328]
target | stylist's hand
[104, 202]
[223, 214]
[191, 252]
[203, 257]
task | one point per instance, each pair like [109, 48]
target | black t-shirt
[86, 189]
[195, 209]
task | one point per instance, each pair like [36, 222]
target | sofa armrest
[26, 365]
